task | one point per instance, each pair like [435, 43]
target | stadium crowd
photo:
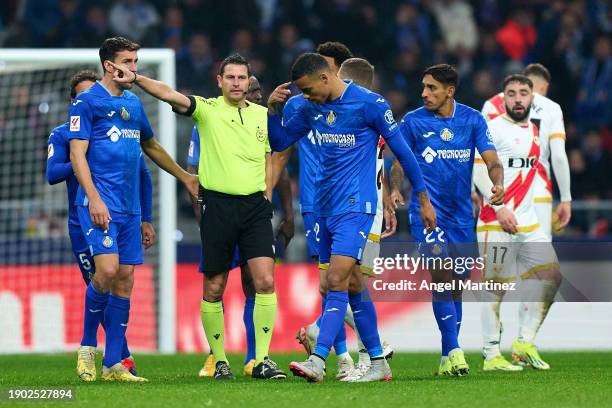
[485, 39]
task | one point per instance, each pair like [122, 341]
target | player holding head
[360, 72]
[59, 169]
[511, 241]
[235, 209]
[548, 117]
[283, 188]
[108, 127]
[335, 53]
[346, 189]
[444, 135]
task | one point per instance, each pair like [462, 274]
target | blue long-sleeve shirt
[347, 132]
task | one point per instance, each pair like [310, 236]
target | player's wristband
[496, 208]
[135, 76]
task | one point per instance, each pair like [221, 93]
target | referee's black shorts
[228, 220]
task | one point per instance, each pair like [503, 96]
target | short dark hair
[336, 50]
[113, 45]
[537, 70]
[234, 59]
[84, 75]
[520, 78]
[443, 73]
[308, 64]
[359, 71]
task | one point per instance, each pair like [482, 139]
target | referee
[232, 171]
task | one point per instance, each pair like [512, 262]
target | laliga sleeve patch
[75, 123]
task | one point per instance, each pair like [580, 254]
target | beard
[518, 117]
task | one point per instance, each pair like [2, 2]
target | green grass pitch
[577, 379]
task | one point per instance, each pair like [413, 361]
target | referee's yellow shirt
[233, 146]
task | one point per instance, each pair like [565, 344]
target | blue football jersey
[59, 167]
[309, 157]
[444, 149]
[193, 154]
[114, 127]
[347, 131]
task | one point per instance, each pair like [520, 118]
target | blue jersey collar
[448, 117]
[102, 90]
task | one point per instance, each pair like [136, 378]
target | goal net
[41, 288]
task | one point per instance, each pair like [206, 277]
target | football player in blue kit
[347, 121]
[443, 135]
[59, 169]
[108, 130]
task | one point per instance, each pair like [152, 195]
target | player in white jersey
[511, 240]
[548, 117]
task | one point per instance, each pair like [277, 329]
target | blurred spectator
[413, 29]
[194, 69]
[198, 17]
[597, 168]
[408, 77]
[95, 29]
[41, 17]
[594, 107]
[291, 46]
[171, 33]
[582, 185]
[340, 21]
[69, 26]
[483, 86]
[489, 56]
[242, 43]
[133, 19]
[489, 15]
[517, 36]
[457, 25]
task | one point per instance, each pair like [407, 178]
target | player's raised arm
[59, 166]
[283, 134]
[179, 102]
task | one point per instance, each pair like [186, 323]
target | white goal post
[161, 63]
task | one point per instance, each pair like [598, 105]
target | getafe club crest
[446, 135]
[331, 118]
[107, 242]
[125, 115]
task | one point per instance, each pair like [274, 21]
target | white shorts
[508, 257]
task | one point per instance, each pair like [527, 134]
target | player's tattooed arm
[426, 211]
[388, 211]
[496, 175]
[179, 102]
[396, 180]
